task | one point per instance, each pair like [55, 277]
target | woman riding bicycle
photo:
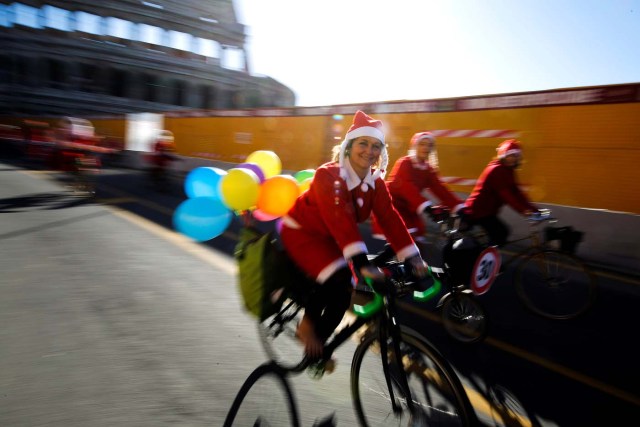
[496, 186]
[320, 233]
[414, 184]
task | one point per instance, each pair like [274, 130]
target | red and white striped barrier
[475, 133]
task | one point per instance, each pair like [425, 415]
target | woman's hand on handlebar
[419, 268]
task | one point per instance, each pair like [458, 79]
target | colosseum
[125, 56]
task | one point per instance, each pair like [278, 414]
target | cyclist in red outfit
[415, 185]
[161, 159]
[496, 186]
[320, 233]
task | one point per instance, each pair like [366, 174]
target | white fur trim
[510, 152]
[407, 252]
[353, 249]
[423, 206]
[365, 131]
[426, 136]
[326, 272]
[290, 222]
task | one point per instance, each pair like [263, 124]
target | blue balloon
[204, 182]
[202, 218]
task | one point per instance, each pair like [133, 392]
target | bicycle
[551, 281]
[397, 376]
[281, 409]
[86, 167]
[463, 316]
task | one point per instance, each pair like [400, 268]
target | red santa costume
[321, 233]
[163, 149]
[413, 185]
[496, 186]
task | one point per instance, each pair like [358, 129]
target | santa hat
[165, 136]
[416, 138]
[508, 147]
[364, 125]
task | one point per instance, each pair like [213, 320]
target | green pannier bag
[261, 265]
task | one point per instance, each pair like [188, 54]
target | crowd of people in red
[321, 234]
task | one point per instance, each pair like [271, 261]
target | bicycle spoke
[434, 400]
[464, 318]
[555, 285]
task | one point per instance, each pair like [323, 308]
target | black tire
[265, 399]
[278, 337]
[464, 318]
[435, 388]
[555, 285]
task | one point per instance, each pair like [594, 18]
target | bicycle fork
[393, 331]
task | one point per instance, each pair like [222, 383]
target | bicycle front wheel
[464, 318]
[555, 285]
[436, 393]
[265, 399]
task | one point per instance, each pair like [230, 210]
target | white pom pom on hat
[363, 125]
[509, 147]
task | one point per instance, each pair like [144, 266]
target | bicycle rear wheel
[555, 285]
[278, 337]
[265, 399]
[464, 318]
[436, 392]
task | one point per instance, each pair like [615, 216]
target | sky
[350, 51]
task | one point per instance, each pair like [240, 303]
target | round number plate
[485, 270]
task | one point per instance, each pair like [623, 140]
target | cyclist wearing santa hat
[414, 185]
[320, 233]
[496, 186]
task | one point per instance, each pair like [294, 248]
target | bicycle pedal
[317, 370]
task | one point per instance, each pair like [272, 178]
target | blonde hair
[335, 151]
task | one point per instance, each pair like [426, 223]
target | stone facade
[46, 70]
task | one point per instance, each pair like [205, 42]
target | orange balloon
[277, 195]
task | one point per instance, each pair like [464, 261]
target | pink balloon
[261, 216]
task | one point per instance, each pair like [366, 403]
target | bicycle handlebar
[368, 310]
[540, 216]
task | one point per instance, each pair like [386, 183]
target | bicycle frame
[536, 245]
[382, 313]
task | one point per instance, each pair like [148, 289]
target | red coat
[321, 232]
[407, 183]
[496, 186]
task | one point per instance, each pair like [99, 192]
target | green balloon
[303, 175]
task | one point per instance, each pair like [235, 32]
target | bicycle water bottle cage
[368, 310]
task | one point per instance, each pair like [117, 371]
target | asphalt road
[109, 317]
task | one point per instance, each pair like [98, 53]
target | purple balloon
[255, 168]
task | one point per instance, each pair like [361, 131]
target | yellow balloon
[268, 161]
[305, 184]
[240, 188]
[278, 194]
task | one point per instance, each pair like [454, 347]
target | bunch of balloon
[204, 215]
[304, 178]
[256, 186]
